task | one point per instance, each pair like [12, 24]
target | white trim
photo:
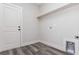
[58, 9]
[29, 42]
[21, 18]
[13, 5]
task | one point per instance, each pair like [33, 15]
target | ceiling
[38, 4]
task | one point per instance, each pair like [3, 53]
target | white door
[10, 36]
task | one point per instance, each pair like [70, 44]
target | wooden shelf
[53, 11]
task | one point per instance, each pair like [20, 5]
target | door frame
[21, 22]
[21, 19]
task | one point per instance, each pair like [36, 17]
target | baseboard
[29, 42]
[9, 47]
[52, 45]
[36, 41]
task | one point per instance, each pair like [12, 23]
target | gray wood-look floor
[33, 49]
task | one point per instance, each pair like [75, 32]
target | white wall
[47, 7]
[30, 23]
[64, 23]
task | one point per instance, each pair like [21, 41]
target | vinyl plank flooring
[26, 50]
[33, 49]
[10, 52]
[4, 53]
[20, 51]
[14, 51]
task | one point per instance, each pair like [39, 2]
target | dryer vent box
[70, 47]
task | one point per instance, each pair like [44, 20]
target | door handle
[19, 29]
[19, 26]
